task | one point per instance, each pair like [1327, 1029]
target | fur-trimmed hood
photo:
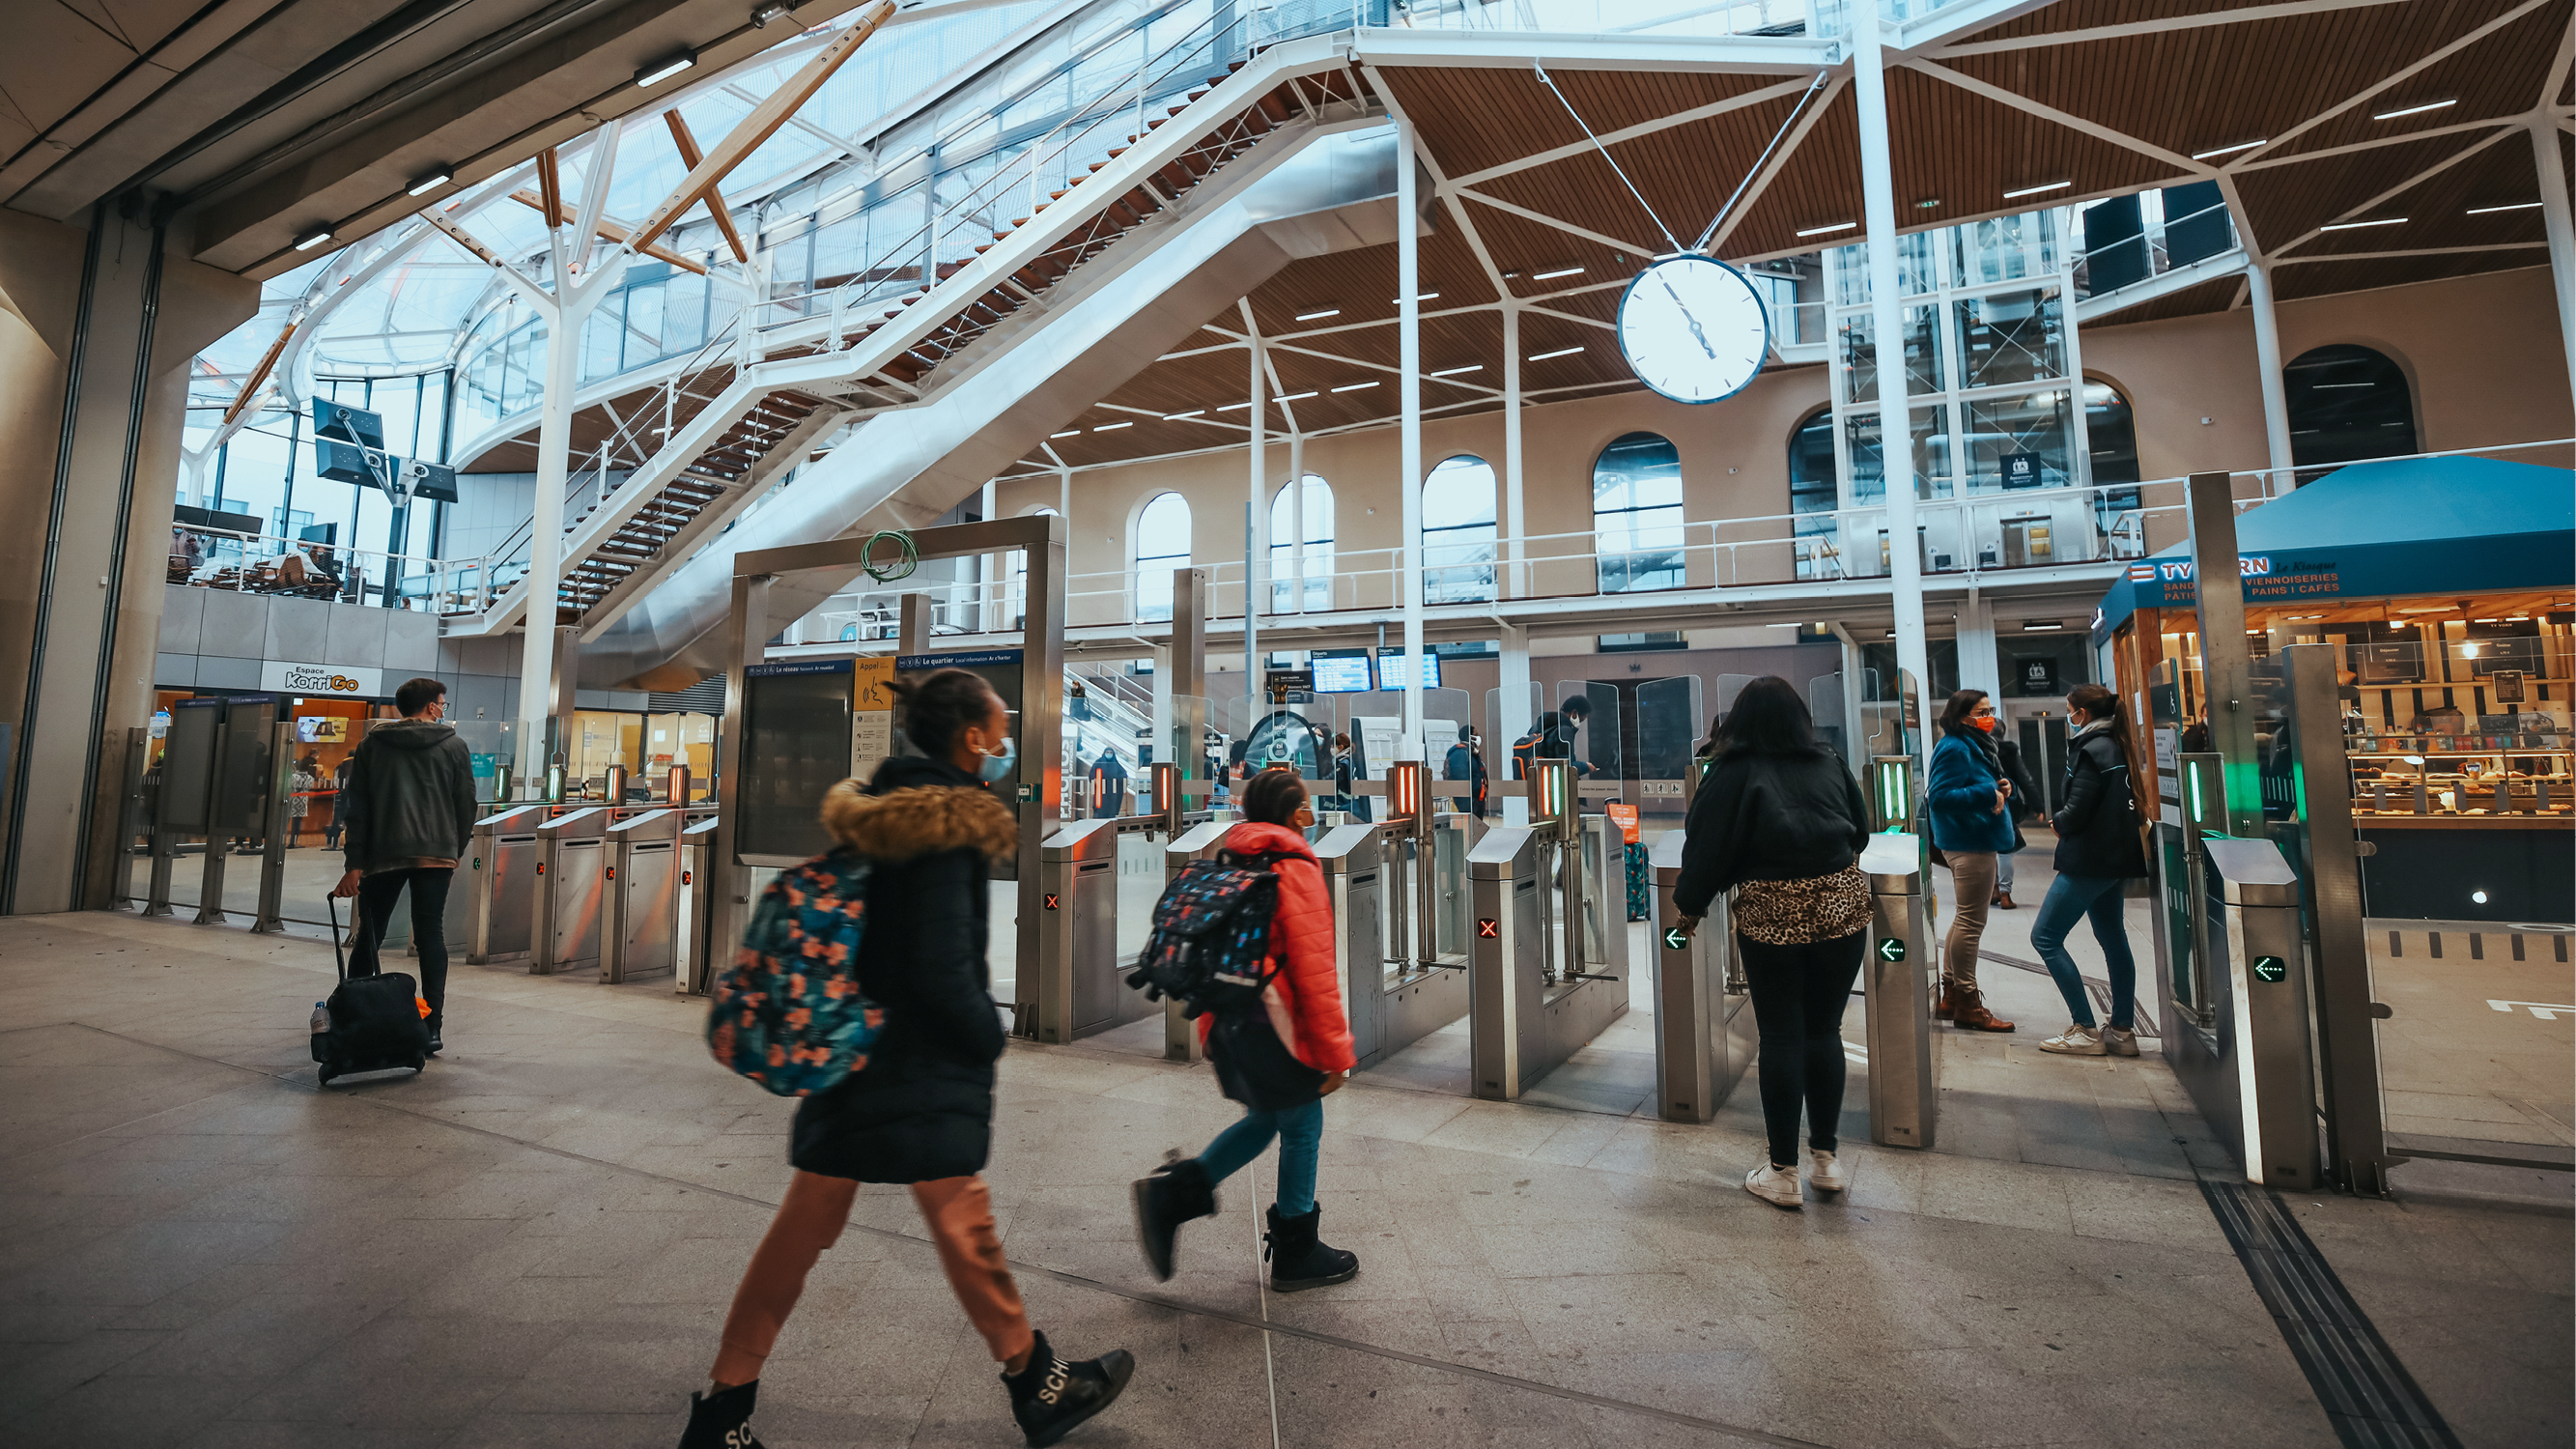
[917, 816]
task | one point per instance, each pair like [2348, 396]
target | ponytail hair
[2098, 702]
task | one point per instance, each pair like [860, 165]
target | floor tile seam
[1260, 1322]
[128, 1122]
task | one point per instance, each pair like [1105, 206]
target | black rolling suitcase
[371, 1023]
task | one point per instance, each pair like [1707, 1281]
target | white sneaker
[2075, 1041]
[2118, 1043]
[1826, 1173]
[1776, 1186]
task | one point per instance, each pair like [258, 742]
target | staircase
[926, 313]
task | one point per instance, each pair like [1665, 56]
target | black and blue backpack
[789, 1014]
[1211, 940]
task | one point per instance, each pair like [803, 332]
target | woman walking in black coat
[920, 1111]
[2098, 852]
[1779, 821]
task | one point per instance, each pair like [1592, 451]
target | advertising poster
[871, 714]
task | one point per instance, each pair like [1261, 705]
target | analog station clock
[1694, 329]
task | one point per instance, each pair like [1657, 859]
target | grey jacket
[410, 796]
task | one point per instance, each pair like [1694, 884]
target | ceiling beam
[259, 374]
[2351, 148]
[2250, 14]
[1638, 249]
[2070, 121]
[1779, 160]
[763, 123]
[2402, 187]
[1781, 91]
[2521, 246]
[2426, 63]
[690, 156]
[550, 192]
[607, 230]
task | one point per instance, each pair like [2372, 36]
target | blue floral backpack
[788, 1014]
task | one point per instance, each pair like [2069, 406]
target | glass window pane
[1858, 367]
[1458, 532]
[2011, 337]
[1637, 514]
[1162, 545]
[2038, 422]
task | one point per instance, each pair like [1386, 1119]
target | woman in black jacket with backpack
[2098, 852]
[1779, 821]
[920, 1110]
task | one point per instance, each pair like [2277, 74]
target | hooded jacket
[409, 796]
[1305, 993]
[922, 1108]
[1768, 817]
[2097, 833]
[1961, 795]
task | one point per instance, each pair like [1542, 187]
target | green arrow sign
[1674, 940]
[2270, 968]
[1891, 948]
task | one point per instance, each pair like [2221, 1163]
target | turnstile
[641, 881]
[695, 957]
[572, 858]
[1527, 1013]
[1897, 977]
[2256, 1084]
[501, 873]
[1392, 998]
[1704, 1025]
[1081, 987]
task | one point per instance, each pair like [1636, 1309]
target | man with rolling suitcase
[406, 818]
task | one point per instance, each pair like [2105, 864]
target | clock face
[1693, 329]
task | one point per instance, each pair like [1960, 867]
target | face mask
[1987, 723]
[992, 768]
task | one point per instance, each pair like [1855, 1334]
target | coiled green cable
[901, 568]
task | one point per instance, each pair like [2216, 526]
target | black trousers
[376, 896]
[1798, 997]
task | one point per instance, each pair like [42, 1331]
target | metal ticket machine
[1423, 977]
[501, 874]
[572, 858]
[2258, 958]
[695, 954]
[1704, 1029]
[641, 883]
[1896, 986]
[1531, 1001]
[1080, 979]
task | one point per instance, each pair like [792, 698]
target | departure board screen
[1341, 673]
[795, 746]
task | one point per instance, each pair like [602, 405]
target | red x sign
[1051, 903]
[1489, 928]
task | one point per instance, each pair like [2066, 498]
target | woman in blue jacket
[1970, 803]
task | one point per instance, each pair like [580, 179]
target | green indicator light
[1891, 948]
[1674, 940]
[2270, 968]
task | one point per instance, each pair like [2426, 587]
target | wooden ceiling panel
[1686, 172]
[1361, 285]
[1522, 248]
[2285, 202]
[2501, 75]
[2323, 279]
[2437, 209]
[2066, 15]
[1473, 118]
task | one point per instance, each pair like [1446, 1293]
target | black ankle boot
[1298, 1259]
[1176, 1193]
[722, 1420]
[1052, 1397]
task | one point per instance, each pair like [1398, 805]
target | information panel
[1341, 673]
[795, 747]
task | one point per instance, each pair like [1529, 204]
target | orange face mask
[1984, 722]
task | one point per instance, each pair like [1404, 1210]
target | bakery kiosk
[2447, 587]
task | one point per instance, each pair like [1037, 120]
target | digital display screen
[1391, 670]
[321, 729]
[1341, 673]
[796, 746]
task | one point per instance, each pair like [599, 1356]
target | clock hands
[1697, 332]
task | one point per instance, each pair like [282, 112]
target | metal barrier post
[242, 787]
[1078, 985]
[131, 815]
[1904, 1072]
[641, 880]
[1199, 842]
[270, 919]
[1704, 1037]
[694, 954]
[1506, 958]
[572, 851]
[2256, 939]
[501, 869]
[1350, 857]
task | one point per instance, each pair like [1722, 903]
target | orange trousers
[957, 1210]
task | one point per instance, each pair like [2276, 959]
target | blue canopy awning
[2378, 530]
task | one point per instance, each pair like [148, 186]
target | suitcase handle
[339, 963]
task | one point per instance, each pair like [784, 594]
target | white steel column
[1408, 329]
[1887, 346]
[1980, 662]
[989, 613]
[1515, 527]
[545, 529]
[2554, 212]
[2267, 357]
[1297, 521]
[1512, 716]
[1255, 519]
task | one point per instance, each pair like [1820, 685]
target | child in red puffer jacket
[1305, 1002]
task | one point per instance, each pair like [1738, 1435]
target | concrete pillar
[2554, 214]
[2267, 359]
[1408, 354]
[97, 329]
[1980, 664]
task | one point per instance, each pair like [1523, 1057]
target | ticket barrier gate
[1704, 1025]
[1897, 977]
[641, 881]
[695, 957]
[501, 868]
[1081, 980]
[1532, 999]
[2253, 1070]
[571, 890]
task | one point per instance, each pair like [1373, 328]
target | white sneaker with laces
[2119, 1043]
[1825, 1172]
[2075, 1041]
[1777, 1186]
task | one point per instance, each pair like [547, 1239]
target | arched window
[1162, 545]
[1637, 514]
[1317, 501]
[2347, 403]
[2111, 431]
[1813, 496]
[1458, 532]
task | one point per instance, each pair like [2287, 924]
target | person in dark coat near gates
[406, 817]
[920, 1111]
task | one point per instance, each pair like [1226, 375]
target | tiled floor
[533, 1244]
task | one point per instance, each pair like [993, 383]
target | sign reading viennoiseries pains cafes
[322, 681]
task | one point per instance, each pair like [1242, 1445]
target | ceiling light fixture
[661, 71]
[2508, 206]
[1319, 316]
[1824, 230]
[308, 243]
[2030, 626]
[2358, 225]
[441, 175]
[2416, 110]
[1112, 427]
[1295, 396]
[1544, 356]
[1192, 413]
[1454, 371]
[2018, 192]
[1551, 276]
[1067, 433]
[767, 11]
[1355, 387]
[1241, 407]
[1418, 297]
[1927, 203]
[2229, 150]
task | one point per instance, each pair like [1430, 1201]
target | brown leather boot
[1968, 1011]
[1942, 1009]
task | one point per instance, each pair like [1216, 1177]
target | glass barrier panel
[1670, 729]
[1511, 740]
[1587, 730]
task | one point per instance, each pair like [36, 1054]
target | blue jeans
[2073, 897]
[1299, 1130]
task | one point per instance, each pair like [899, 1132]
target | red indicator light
[1051, 903]
[1489, 928]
